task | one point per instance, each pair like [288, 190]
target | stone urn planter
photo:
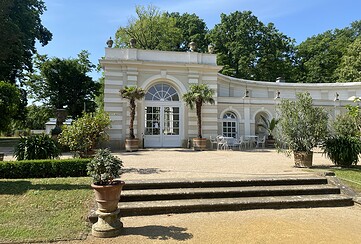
[105, 168]
[131, 145]
[199, 144]
[303, 159]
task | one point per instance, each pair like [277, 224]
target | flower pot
[131, 144]
[199, 144]
[108, 196]
[303, 159]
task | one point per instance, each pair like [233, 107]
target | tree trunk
[199, 118]
[132, 116]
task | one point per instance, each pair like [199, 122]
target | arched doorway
[163, 114]
[230, 124]
[261, 124]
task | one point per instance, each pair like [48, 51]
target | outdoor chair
[222, 144]
[214, 141]
[242, 143]
[261, 140]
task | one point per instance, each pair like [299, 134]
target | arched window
[229, 125]
[162, 92]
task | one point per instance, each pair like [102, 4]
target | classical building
[164, 120]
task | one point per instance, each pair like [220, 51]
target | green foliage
[268, 125]
[64, 82]
[198, 95]
[20, 28]
[43, 168]
[36, 147]
[193, 29]
[132, 93]
[343, 150]
[85, 132]
[151, 29]
[320, 56]
[37, 116]
[9, 104]
[301, 126]
[349, 69]
[346, 125]
[104, 167]
[251, 50]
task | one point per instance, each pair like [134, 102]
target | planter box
[199, 144]
[303, 159]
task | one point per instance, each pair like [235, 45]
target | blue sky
[88, 24]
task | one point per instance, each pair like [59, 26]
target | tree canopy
[320, 56]
[63, 83]
[20, 28]
[249, 49]
[151, 29]
[9, 104]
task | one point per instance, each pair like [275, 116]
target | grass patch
[350, 176]
[44, 209]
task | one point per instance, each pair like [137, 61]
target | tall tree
[151, 29]
[9, 104]
[64, 82]
[349, 69]
[20, 27]
[193, 29]
[320, 56]
[249, 49]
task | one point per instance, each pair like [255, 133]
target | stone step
[232, 204]
[225, 192]
[223, 182]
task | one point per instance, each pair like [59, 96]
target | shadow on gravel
[146, 171]
[157, 232]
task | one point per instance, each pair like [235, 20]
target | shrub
[84, 134]
[104, 167]
[43, 168]
[342, 150]
[36, 147]
[302, 126]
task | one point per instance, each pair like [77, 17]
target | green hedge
[47, 168]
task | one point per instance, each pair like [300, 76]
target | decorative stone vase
[199, 144]
[131, 144]
[303, 159]
[107, 198]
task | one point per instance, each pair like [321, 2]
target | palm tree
[198, 95]
[132, 93]
[268, 125]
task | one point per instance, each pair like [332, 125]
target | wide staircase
[151, 197]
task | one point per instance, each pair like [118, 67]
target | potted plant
[302, 127]
[132, 93]
[344, 146]
[269, 126]
[198, 95]
[105, 170]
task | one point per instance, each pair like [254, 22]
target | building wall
[145, 68]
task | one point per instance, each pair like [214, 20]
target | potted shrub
[344, 146]
[132, 93]
[198, 95]
[301, 127]
[269, 126]
[105, 170]
[85, 133]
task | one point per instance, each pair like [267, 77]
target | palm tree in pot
[302, 127]
[132, 93]
[105, 169]
[198, 95]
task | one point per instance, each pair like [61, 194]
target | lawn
[44, 209]
[350, 176]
